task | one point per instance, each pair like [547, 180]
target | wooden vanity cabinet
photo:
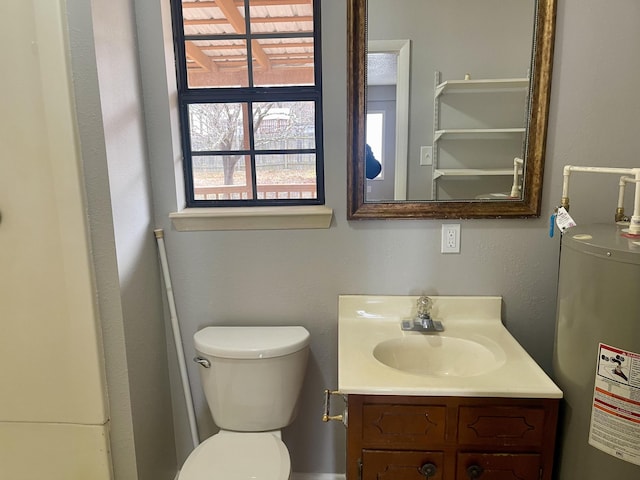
[450, 438]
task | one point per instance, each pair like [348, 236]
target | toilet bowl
[239, 456]
[252, 378]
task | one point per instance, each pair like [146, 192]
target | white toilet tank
[255, 375]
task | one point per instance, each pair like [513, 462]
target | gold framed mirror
[528, 199]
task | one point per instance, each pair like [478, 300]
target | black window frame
[247, 95]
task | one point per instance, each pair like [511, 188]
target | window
[251, 130]
[375, 139]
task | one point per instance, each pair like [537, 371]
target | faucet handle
[424, 306]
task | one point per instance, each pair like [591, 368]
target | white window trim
[252, 218]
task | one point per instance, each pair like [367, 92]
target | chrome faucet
[423, 321]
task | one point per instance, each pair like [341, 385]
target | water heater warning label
[615, 416]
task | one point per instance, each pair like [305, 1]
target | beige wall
[53, 409]
[83, 357]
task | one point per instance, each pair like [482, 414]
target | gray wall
[294, 277]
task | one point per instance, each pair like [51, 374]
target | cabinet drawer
[499, 466]
[501, 426]
[389, 465]
[403, 426]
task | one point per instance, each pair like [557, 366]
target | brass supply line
[517, 168]
[620, 216]
[326, 416]
[630, 175]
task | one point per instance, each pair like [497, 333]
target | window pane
[286, 176]
[284, 125]
[294, 18]
[217, 63]
[217, 126]
[221, 177]
[375, 138]
[286, 61]
[213, 18]
[214, 62]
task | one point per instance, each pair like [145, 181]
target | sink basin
[440, 355]
[475, 355]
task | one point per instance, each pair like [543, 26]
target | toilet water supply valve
[326, 416]
[563, 220]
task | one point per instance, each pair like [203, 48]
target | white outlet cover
[450, 238]
[426, 156]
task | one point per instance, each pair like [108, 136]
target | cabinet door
[495, 466]
[404, 426]
[501, 426]
[390, 465]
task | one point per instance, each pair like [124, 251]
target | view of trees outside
[280, 126]
[252, 145]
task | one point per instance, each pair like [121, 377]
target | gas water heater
[596, 359]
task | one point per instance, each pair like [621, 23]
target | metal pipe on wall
[177, 338]
[634, 225]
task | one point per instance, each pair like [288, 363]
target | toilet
[252, 378]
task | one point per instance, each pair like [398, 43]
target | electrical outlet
[426, 156]
[450, 238]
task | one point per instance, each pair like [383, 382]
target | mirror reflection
[468, 90]
[451, 99]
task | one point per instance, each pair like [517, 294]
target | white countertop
[364, 321]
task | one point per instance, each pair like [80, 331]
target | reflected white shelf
[484, 85]
[470, 88]
[472, 172]
[477, 133]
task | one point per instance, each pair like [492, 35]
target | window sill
[252, 218]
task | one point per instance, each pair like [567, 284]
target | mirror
[483, 115]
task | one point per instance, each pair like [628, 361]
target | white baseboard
[318, 476]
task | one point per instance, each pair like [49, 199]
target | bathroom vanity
[464, 403]
[446, 438]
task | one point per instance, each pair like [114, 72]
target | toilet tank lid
[251, 342]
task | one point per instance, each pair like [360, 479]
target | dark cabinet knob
[428, 470]
[474, 471]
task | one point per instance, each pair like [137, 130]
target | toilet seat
[238, 456]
